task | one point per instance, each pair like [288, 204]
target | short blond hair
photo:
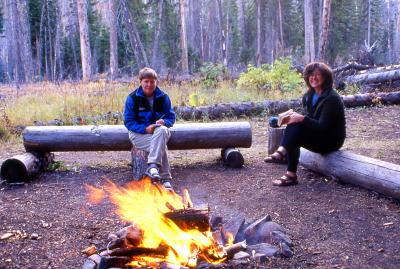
[147, 72]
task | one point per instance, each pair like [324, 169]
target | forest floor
[331, 224]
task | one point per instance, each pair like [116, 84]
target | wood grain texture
[115, 137]
[369, 173]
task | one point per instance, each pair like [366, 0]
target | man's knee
[161, 130]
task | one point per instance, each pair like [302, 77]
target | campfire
[166, 231]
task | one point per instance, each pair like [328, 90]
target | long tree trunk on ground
[133, 33]
[86, 56]
[155, 61]
[184, 49]
[113, 38]
[309, 47]
[323, 39]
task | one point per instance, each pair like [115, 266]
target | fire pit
[166, 231]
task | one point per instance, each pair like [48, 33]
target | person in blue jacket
[148, 114]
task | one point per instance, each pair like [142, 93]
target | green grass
[46, 101]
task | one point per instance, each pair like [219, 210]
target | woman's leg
[292, 138]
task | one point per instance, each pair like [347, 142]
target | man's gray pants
[156, 145]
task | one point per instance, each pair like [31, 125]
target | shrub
[212, 73]
[275, 77]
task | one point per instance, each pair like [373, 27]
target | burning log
[235, 248]
[187, 202]
[190, 219]
[373, 174]
[140, 251]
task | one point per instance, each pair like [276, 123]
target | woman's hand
[295, 118]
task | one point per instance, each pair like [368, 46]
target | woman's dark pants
[297, 135]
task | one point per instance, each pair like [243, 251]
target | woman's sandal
[285, 180]
[273, 158]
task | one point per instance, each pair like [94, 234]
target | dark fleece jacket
[327, 116]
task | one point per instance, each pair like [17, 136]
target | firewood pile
[235, 243]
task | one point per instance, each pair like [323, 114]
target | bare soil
[332, 225]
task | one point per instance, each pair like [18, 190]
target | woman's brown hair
[325, 70]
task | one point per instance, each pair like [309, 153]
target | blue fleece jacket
[137, 119]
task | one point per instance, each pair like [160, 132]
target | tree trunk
[241, 18]
[220, 111]
[274, 138]
[309, 47]
[155, 61]
[115, 137]
[323, 39]
[389, 32]
[197, 43]
[369, 24]
[113, 38]
[259, 33]
[86, 56]
[381, 77]
[183, 39]
[25, 36]
[369, 173]
[223, 33]
[17, 31]
[397, 35]
[134, 34]
[50, 43]
[281, 43]
[57, 46]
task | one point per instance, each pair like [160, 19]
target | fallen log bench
[347, 167]
[46, 139]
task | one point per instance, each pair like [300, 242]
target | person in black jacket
[321, 129]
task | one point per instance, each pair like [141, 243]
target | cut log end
[14, 170]
[232, 157]
[22, 167]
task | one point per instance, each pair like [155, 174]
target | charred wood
[190, 219]
[140, 251]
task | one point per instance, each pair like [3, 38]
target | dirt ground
[332, 225]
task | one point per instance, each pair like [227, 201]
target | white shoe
[167, 184]
[152, 172]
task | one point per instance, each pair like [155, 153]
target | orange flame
[144, 204]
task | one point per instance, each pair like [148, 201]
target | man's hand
[161, 122]
[295, 118]
[150, 128]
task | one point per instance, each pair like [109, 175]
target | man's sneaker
[167, 184]
[152, 172]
